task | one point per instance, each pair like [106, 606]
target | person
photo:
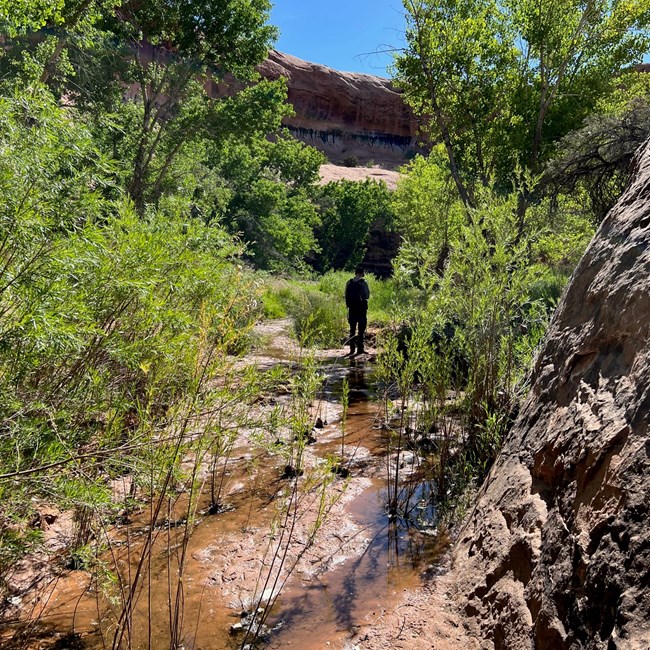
[357, 294]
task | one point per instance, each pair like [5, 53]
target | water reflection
[397, 553]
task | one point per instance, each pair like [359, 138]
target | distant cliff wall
[342, 114]
[345, 114]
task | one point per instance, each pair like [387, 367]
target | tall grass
[317, 307]
[389, 301]
[319, 318]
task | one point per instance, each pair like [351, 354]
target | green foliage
[560, 232]
[481, 313]
[484, 296]
[350, 161]
[271, 185]
[455, 371]
[169, 133]
[631, 87]
[220, 156]
[107, 319]
[501, 83]
[318, 317]
[458, 69]
[426, 203]
[348, 209]
[30, 14]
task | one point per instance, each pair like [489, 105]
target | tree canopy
[500, 83]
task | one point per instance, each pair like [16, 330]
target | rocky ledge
[344, 114]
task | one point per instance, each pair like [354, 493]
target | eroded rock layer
[345, 114]
[556, 553]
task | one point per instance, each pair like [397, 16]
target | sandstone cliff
[345, 114]
[556, 553]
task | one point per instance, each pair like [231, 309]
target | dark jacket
[357, 293]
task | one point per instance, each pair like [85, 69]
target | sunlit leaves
[426, 203]
[500, 82]
[349, 209]
[227, 35]
[30, 14]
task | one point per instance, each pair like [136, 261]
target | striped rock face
[345, 114]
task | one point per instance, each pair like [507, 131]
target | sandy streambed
[346, 575]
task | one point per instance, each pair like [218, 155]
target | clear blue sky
[340, 33]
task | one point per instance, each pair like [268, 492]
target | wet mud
[358, 564]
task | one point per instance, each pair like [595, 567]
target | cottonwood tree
[457, 72]
[348, 210]
[163, 58]
[171, 46]
[502, 82]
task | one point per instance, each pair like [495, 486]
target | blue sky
[340, 33]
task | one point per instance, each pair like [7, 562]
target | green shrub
[548, 287]
[389, 300]
[318, 316]
[272, 306]
[110, 322]
[319, 320]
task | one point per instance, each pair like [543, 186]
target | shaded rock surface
[556, 553]
[345, 114]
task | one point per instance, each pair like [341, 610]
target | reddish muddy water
[360, 563]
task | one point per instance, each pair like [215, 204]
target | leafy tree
[457, 72]
[428, 210]
[503, 82]
[166, 55]
[271, 207]
[189, 39]
[348, 209]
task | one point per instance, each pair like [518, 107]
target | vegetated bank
[131, 222]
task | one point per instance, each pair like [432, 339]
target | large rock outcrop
[556, 553]
[342, 114]
[345, 114]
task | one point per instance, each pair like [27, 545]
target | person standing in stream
[357, 294]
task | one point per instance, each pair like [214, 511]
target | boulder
[556, 552]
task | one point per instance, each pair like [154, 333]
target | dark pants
[358, 320]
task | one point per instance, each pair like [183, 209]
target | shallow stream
[318, 609]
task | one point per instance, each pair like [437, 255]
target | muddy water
[332, 608]
[315, 609]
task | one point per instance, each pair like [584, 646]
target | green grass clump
[318, 317]
[318, 309]
[548, 287]
[389, 301]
